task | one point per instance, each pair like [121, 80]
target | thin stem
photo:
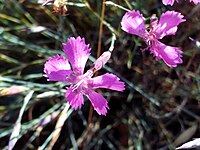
[104, 21]
[101, 28]
[90, 115]
[98, 51]
[98, 54]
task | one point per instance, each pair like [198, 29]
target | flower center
[82, 81]
[149, 38]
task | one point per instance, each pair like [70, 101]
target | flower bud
[101, 61]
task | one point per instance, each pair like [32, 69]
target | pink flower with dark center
[71, 70]
[171, 2]
[133, 23]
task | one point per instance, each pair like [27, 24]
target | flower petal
[57, 68]
[108, 80]
[195, 1]
[101, 61]
[168, 2]
[77, 52]
[168, 24]
[191, 144]
[133, 23]
[74, 98]
[170, 55]
[99, 103]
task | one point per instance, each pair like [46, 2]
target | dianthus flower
[71, 70]
[133, 23]
[171, 2]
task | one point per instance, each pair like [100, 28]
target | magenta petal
[109, 81]
[77, 52]
[168, 24]
[57, 68]
[101, 61]
[59, 75]
[195, 1]
[168, 2]
[133, 23]
[170, 55]
[74, 98]
[99, 103]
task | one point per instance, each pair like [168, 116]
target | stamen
[75, 87]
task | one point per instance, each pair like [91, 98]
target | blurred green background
[158, 110]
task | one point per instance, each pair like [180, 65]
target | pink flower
[133, 23]
[171, 2]
[71, 70]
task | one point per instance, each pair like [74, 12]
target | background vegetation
[158, 110]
